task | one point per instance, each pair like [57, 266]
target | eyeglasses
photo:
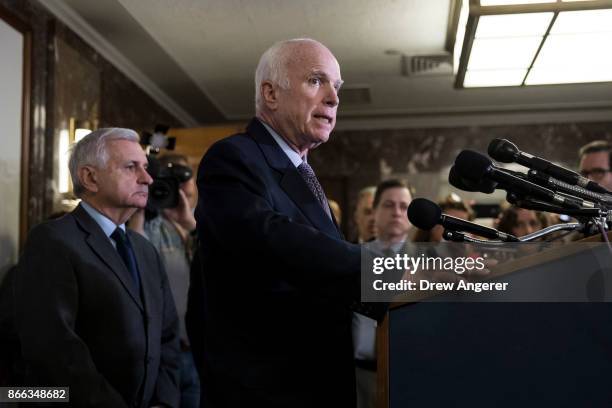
[595, 173]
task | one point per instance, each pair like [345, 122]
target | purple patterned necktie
[313, 184]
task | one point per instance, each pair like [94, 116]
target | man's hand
[182, 213]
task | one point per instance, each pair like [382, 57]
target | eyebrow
[323, 75]
[135, 162]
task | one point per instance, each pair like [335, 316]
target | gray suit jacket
[81, 323]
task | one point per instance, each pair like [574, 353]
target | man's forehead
[595, 159]
[314, 57]
[126, 150]
[396, 191]
[366, 199]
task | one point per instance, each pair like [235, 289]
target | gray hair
[272, 67]
[92, 151]
[369, 190]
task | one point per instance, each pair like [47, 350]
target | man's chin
[139, 202]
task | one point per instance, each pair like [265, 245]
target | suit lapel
[143, 267]
[291, 182]
[101, 246]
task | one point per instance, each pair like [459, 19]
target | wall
[69, 79]
[11, 80]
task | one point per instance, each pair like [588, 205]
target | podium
[504, 354]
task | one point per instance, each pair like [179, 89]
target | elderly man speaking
[278, 278]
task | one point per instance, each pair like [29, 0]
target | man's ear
[269, 94]
[88, 178]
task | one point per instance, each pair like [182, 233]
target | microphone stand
[457, 236]
[570, 226]
[529, 203]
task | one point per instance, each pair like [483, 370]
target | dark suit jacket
[82, 324]
[278, 282]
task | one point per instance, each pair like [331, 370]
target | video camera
[164, 191]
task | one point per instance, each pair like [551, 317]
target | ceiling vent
[427, 65]
[355, 95]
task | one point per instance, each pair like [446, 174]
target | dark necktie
[127, 254]
[313, 184]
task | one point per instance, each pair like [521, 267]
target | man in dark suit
[278, 278]
[94, 311]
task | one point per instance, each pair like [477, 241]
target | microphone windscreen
[457, 181]
[472, 165]
[423, 213]
[484, 186]
[503, 150]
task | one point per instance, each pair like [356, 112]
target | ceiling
[197, 58]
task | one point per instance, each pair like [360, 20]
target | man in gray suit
[93, 307]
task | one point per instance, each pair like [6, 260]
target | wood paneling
[194, 142]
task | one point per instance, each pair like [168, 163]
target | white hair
[369, 190]
[272, 67]
[92, 151]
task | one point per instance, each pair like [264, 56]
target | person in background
[171, 232]
[335, 208]
[452, 205]
[93, 307]
[12, 370]
[519, 222]
[364, 215]
[595, 160]
[390, 203]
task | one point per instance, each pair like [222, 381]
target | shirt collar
[107, 225]
[294, 156]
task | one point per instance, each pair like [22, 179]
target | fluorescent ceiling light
[512, 2]
[463, 18]
[553, 42]
[575, 50]
[492, 53]
[568, 76]
[587, 21]
[513, 25]
[501, 77]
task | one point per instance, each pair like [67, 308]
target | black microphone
[505, 151]
[483, 186]
[425, 214]
[475, 166]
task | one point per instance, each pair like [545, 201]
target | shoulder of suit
[54, 234]
[138, 239]
[56, 226]
[238, 140]
[240, 147]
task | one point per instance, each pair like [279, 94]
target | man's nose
[331, 99]
[145, 177]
